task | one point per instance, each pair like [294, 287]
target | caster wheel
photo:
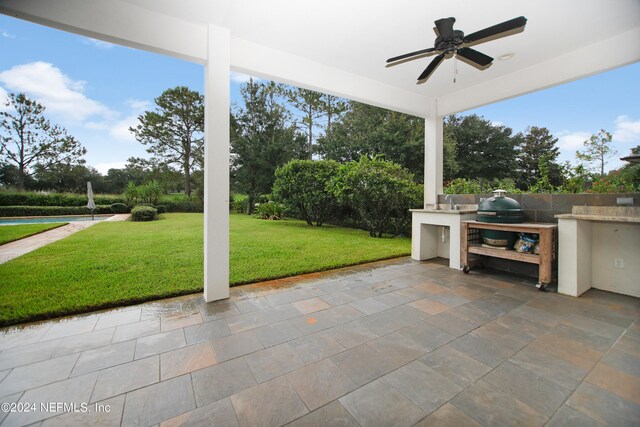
[465, 270]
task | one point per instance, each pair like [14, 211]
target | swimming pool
[48, 219]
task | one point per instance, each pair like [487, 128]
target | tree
[597, 150]
[537, 146]
[312, 107]
[370, 131]
[28, 139]
[302, 186]
[262, 138]
[484, 150]
[333, 108]
[68, 178]
[174, 132]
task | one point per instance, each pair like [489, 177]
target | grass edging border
[157, 297]
[62, 224]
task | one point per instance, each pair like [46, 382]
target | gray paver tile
[364, 364]
[123, 378]
[447, 416]
[277, 333]
[541, 394]
[379, 404]
[206, 331]
[38, 374]
[485, 351]
[24, 355]
[272, 362]
[159, 343]
[549, 366]
[320, 383]
[74, 390]
[369, 306]
[236, 345]
[222, 380]
[313, 348]
[136, 330]
[82, 342]
[605, 407]
[218, 310]
[70, 326]
[220, 414]
[351, 334]
[422, 385]
[104, 357]
[158, 402]
[118, 317]
[273, 403]
[186, 359]
[455, 365]
[332, 415]
[566, 416]
[490, 406]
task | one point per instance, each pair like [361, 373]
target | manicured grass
[117, 263]
[11, 233]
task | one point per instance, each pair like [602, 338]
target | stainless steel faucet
[449, 197]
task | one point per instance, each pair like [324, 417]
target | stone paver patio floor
[395, 343]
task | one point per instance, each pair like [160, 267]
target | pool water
[48, 219]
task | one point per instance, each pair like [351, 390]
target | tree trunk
[21, 179]
[310, 139]
[187, 181]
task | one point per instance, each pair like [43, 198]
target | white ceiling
[358, 36]
[340, 46]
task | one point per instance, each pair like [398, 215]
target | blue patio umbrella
[91, 204]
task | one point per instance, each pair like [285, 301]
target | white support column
[433, 154]
[216, 165]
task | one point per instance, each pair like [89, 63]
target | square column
[216, 165]
[433, 154]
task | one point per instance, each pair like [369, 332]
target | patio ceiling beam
[586, 61]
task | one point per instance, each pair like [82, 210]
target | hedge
[14, 198]
[144, 213]
[52, 210]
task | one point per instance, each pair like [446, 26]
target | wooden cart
[472, 244]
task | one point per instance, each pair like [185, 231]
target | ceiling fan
[450, 42]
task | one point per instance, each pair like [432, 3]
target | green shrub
[270, 210]
[119, 208]
[239, 203]
[381, 192]
[161, 208]
[51, 210]
[144, 213]
[302, 186]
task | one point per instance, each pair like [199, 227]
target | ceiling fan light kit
[450, 42]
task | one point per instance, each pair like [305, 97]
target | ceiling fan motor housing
[451, 44]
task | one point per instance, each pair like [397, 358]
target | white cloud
[572, 140]
[241, 78]
[63, 97]
[497, 124]
[97, 43]
[103, 168]
[7, 34]
[626, 130]
[119, 128]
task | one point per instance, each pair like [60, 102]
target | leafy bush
[119, 208]
[151, 192]
[161, 208]
[381, 192]
[481, 186]
[14, 198]
[270, 210]
[131, 193]
[302, 186]
[144, 213]
[239, 203]
[51, 210]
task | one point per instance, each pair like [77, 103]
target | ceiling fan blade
[474, 56]
[445, 27]
[431, 67]
[408, 55]
[495, 30]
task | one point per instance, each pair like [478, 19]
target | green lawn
[116, 263]
[10, 233]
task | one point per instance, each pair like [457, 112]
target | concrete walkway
[20, 247]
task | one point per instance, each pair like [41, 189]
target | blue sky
[96, 90]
